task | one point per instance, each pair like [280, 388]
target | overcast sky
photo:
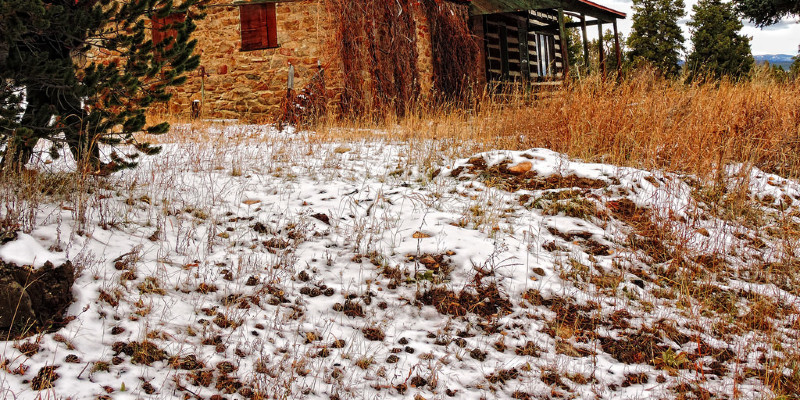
[782, 38]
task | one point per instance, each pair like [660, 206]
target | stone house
[368, 53]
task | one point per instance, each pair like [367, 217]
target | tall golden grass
[643, 121]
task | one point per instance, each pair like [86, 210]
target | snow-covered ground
[268, 265]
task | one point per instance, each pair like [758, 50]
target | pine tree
[577, 64]
[718, 49]
[609, 52]
[656, 39]
[767, 12]
[78, 103]
[794, 69]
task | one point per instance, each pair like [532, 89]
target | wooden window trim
[258, 26]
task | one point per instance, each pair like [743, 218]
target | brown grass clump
[189, 362]
[373, 334]
[648, 235]
[44, 378]
[485, 300]
[635, 348]
[141, 352]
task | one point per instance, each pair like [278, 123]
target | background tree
[577, 65]
[767, 12]
[75, 102]
[656, 39]
[718, 49]
[794, 69]
[609, 51]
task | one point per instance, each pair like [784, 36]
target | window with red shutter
[164, 28]
[259, 26]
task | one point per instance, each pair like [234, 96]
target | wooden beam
[554, 26]
[585, 44]
[562, 34]
[601, 51]
[618, 50]
[583, 22]
[504, 53]
[479, 32]
[524, 57]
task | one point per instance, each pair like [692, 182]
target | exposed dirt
[41, 305]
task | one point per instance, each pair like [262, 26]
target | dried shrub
[378, 49]
[140, 352]
[189, 363]
[503, 375]
[649, 236]
[373, 333]
[468, 300]
[306, 108]
[455, 50]
[642, 347]
[44, 378]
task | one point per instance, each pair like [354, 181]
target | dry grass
[643, 121]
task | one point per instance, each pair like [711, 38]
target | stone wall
[424, 53]
[425, 57]
[251, 84]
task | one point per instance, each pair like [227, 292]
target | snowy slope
[269, 265]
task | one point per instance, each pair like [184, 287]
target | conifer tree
[609, 52]
[575, 50]
[718, 49]
[767, 12]
[656, 38]
[73, 101]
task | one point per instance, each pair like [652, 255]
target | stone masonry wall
[424, 53]
[251, 84]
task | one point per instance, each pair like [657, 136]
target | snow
[26, 250]
[255, 205]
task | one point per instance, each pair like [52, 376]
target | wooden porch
[526, 40]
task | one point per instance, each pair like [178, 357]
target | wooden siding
[521, 46]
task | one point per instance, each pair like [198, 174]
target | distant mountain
[783, 60]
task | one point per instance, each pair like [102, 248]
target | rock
[15, 304]
[33, 301]
[520, 168]
[427, 261]
[322, 217]
[420, 235]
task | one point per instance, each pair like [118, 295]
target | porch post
[600, 49]
[585, 44]
[619, 52]
[562, 33]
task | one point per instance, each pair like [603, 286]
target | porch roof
[586, 7]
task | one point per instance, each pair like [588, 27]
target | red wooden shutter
[258, 24]
[164, 28]
[158, 30]
[272, 26]
[254, 26]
